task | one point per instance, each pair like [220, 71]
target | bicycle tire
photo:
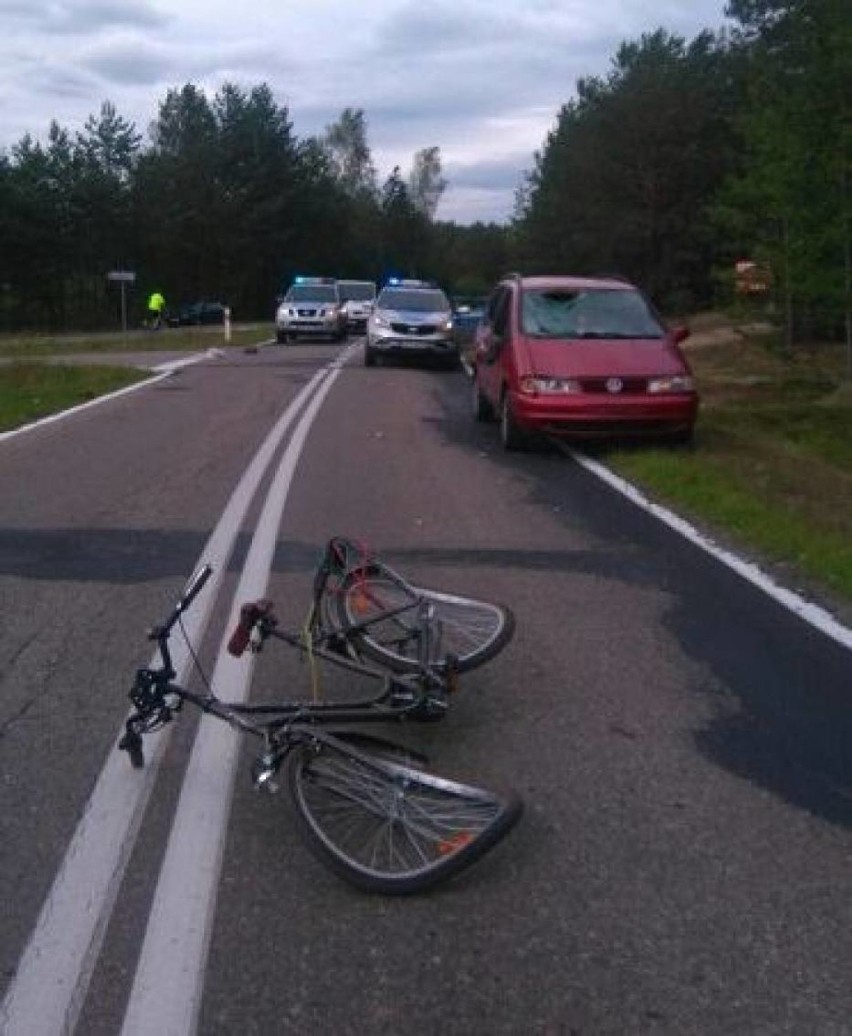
[387, 827]
[331, 637]
[470, 631]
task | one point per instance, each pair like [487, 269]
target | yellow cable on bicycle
[308, 642]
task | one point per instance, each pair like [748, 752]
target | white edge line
[83, 406]
[50, 982]
[163, 370]
[811, 613]
[167, 990]
[818, 617]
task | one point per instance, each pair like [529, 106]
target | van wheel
[511, 436]
[482, 409]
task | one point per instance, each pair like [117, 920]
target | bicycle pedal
[263, 773]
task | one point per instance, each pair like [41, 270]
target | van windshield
[588, 313]
[312, 293]
[415, 300]
[351, 291]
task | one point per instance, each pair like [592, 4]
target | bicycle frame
[401, 697]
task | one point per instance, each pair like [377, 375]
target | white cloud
[481, 79]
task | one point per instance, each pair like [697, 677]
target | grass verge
[29, 391]
[771, 469]
[175, 339]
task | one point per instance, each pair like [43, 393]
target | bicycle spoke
[389, 620]
[389, 822]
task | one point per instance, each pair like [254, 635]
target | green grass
[175, 339]
[770, 473]
[29, 391]
[759, 512]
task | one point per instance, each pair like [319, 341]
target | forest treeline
[685, 157]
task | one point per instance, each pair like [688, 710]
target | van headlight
[674, 383]
[538, 385]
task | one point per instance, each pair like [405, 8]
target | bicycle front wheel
[386, 826]
[386, 620]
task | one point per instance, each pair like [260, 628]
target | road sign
[123, 278]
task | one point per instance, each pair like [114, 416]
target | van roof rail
[607, 276]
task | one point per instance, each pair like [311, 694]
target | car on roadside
[197, 314]
[357, 298]
[580, 358]
[411, 319]
[310, 308]
[467, 313]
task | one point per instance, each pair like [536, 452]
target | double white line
[50, 984]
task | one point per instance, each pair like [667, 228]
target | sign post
[122, 277]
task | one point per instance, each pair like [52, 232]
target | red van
[580, 358]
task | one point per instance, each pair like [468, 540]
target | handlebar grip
[239, 638]
[250, 614]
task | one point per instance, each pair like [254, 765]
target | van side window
[491, 306]
[500, 321]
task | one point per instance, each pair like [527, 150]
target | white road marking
[84, 406]
[167, 991]
[162, 371]
[53, 973]
[815, 615]
[818, 617]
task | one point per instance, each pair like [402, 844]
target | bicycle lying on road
[366, 806]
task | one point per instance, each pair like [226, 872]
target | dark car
[196, 314]
[467, 312]
[580, 358]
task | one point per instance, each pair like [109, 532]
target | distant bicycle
[367, 807]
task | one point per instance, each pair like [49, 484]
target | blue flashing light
[301, 279]
[408, 282]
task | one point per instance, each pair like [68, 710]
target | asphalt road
[681, 742]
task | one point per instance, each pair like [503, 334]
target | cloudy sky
[481, 79]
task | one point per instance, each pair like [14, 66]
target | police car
[411, 319]
[311, 308]
[357, 298]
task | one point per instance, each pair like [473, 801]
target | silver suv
[357, 298]
[311, 307]
[411, 319]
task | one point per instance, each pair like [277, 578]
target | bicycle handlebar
[194, 588]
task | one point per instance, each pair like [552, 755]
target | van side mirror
[489, 348]
[680, 333]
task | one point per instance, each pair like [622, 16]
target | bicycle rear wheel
[381, 615]
[386, 826]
